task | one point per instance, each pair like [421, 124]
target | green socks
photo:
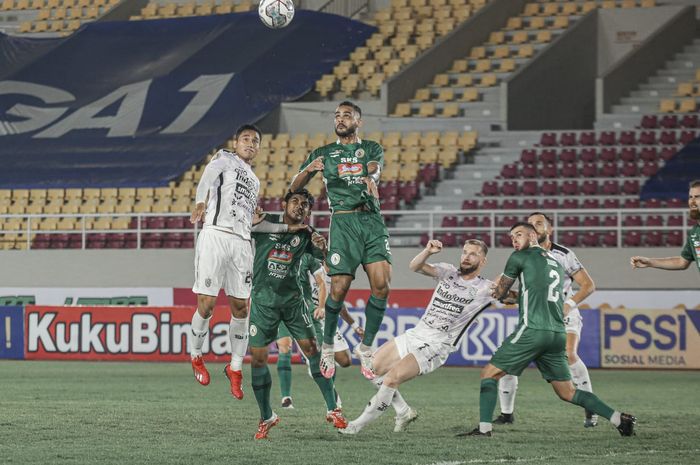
[591, 402]
[284, 371]
[374, 312]
[487, 399]
[325, 385]
[331, 325]
[262, 383]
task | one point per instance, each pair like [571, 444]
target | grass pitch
[150, 413]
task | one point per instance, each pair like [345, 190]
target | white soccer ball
[276, 14]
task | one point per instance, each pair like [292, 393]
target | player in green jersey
[276, 297]
[692, 246]
[540, 336]
[358, 236]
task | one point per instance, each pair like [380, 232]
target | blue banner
[671, 181]
[12, 333]
[137, 103]
[482, 339]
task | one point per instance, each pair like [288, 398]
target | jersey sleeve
[572, 265]
[687, 252]
[377, 154]
[513, 266]
[312, 156]
[443, 270]
[211, 172]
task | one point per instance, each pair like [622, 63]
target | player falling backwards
[277, 297]
[358, 236]
[540, 336]
[574, 272]
[460, 296]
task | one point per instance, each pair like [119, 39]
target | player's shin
[324, 384]
[487, 403]
[238, 334]
[198, 333]
[580, 377]
[376, 407]
[262, 384]
[284, 371]
[591, 402]
[331, 322]
[507, 387]
[374, 313]
[398, 402]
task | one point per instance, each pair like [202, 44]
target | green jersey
[692, 246]
[344, 166]
[276, 266]
[541, 298]
[309, 265]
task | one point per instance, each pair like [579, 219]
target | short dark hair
[304, 193]
[546, 217]
[477, 242]
[695, 183]
[248, 127]
[353, 105]
[523, 224]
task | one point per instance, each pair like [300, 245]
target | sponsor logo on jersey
[359, 153]
[349, 169]
[253, 330]
[295, 241]
[280, 256]
[335, 153]
[335, 259]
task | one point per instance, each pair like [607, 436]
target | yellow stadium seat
[22, 5]
[391, 139]
[7, 5]
[186, 9]
[477, 53]
[501, 52]
[519, 37]
[430, 139]
[647, 3]
[426, 109]
[425, 41]
[41, 26]
[526, 51]
[374, 84]
[667, 106]
[350, 84]
[56, 26]
[464, 80]
[496, 38]
[587, 7]
[543, 37]
[441, 80]
[685, 89]
[687, 105]
[445, 95]
[536, 23]
[43, 15]
[531, 9]
[409, 53]
[429, 155]
[468, 140]
[506, 66]
[223, 9]
[550, 9]
[488, 80]
[25, 26]
[628, 4]
[402, 109]
[514, 23]
[459, 66]
[410, 139]
[608, 4]
[450, 110]
[470, 94]
[422, 95]
[448, 156]
[482, 66]
[560, 22]
[569, 8]
[445, 26]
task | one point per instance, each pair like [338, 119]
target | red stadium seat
[630, 170]
[630, 187]
[568, 156]
[590, 239]
[587, 138]
[569, 170]
[528, 171]
[649, 122]
[567, 139]
[674, 239]
[470, 222]
[612, 202]
[548, 139]
[489, 188]
[470, 204]
[509, 204]
[609, 239]
[489, 204]
[669, 138]
[686, 137]
[590, 203]
[611, 188]
[590, 170]
[449, 222]
[654, 220]
[649, 169]
[591, 221]
[629, 154]
[631, 203]
[548, 156]
[528, 156]
[689, 121]
[647, 138]
[651, 203]
[667, 153]
[632, 239]
[568, 238]
[589, 187]
[610, 220]
[570, 221]
[510, 188]
[510, 171]
[550, 204]
[648, 154]
[628, 138]
[607, 154]
[609, 170]
[608, 138]
[570, 188]
[668, 122]
[569, 204]
[549, 171]
[530, 204]
[632, 220]
[676, 203]
[674, 220]
[550, 188]
[530, 188]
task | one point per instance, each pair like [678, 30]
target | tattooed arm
[500, 290]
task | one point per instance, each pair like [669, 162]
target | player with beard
[540, 336]
[692, 246]
[460, 296]
[358, 236]
[573, 272]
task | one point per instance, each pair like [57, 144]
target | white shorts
[223, 260]
[574, 322]
[430, 356]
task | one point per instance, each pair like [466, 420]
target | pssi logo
[129, 99]
[650, 331]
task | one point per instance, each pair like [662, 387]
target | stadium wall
[175, 268]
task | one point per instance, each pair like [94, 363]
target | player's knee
[283, 347]
[343, 358]
[308, 347]
[205, 305]
[566, 393]
[258, 359]
[571, 357]
[239, 308]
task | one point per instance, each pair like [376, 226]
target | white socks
[507, 387]
[579, 373]
[615, 419]
[398, 402]
[200, 328]
[376, 407]
[238, 334]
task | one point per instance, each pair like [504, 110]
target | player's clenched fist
[433, 246]
[316, 165]
[640, 262]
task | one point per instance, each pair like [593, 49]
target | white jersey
[233, 194]
[455, 304]
[568, 260]
[315, 291]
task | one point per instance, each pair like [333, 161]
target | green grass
[147, 413]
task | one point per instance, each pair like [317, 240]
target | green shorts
[356, 238]
[283, 331]
[546, 348]
[265, 321]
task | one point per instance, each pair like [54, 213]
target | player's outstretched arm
[211, 172]
[419, 265]
[668, 263]
[586, 286]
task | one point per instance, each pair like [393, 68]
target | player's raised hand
[318, 240]
[371, 187]
[316, 165]
[198, 213]
[433, 246]
[259, 215]
[319, 313]
[640, 262]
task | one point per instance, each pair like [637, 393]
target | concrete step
[639, 101]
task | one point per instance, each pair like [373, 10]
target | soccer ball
[276, 14]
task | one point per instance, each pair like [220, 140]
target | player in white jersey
[575, 272]
[460, 296]
[226, 201]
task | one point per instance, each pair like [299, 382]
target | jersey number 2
[553, 294]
